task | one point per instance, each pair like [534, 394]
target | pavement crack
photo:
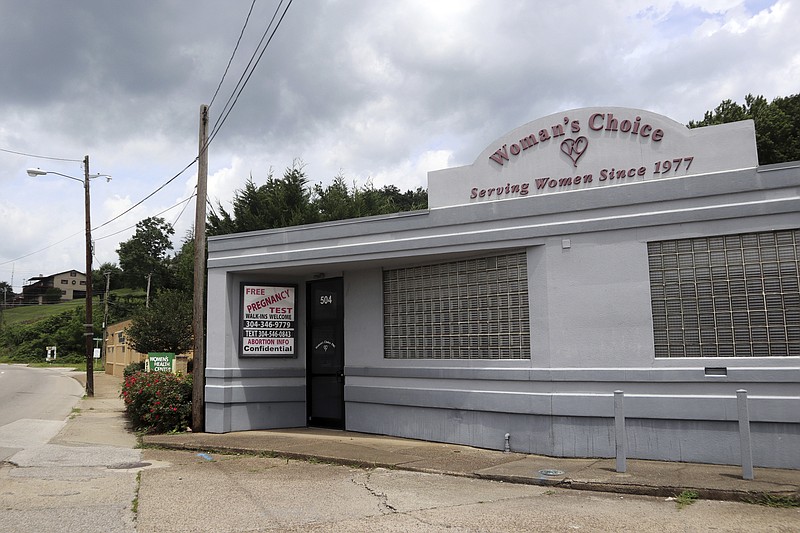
[383, 499]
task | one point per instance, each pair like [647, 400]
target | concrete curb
[564, 483]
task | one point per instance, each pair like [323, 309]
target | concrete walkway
[655, 478]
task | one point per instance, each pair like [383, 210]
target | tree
[182, 265]
[165, 326]
[276, 204]
[290, 202]
[145, 254]
[407, 201]
[99, 278]
[52, 295]
[6, 293]
[777, 124]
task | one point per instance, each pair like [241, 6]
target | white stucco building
[593, 250]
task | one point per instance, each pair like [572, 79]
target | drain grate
[551, 472]
[128, 466]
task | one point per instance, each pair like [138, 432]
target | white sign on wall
[593, 148]
[268, 325]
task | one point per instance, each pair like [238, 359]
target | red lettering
[527, 142]
[500, 155]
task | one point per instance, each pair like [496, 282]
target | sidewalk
[654, 478]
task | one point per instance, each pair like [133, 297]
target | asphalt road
[56, 476]
[34, 402]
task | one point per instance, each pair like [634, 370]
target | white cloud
[376, 91]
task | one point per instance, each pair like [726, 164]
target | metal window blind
[726, 296]
[471, 309]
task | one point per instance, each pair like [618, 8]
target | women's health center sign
[268, 323]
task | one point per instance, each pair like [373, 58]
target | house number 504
[327, 299]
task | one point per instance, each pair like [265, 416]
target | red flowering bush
[158, 402]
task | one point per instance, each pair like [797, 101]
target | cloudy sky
[372, 90]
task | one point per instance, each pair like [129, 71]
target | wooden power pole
[198, 320]
[89, 322]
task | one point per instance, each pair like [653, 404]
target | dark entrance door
[325, 354]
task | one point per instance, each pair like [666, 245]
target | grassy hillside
[26, 331]
[30, 314]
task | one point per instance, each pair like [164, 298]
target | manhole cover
[128, 466]
[551, 472]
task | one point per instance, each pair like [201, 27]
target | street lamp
[89, 322]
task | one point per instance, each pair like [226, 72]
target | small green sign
[160, 362]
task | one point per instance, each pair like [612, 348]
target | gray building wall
[590, 317]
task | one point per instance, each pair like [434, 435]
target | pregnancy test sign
[268, 320]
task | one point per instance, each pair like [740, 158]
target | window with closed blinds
[470, 309]
[726, 296]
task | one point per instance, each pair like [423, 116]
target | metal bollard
[744, 434]
[619, 431]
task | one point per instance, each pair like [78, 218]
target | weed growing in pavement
[135, 502]
[687, 497]
[779, 501]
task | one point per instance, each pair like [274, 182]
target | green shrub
[132, 369]
[158, 402]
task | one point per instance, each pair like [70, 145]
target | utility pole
[198, 320]
[89, 323]
[147, 295]
[107, 274]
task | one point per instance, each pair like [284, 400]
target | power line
[249, 69]
[184, 201]
[140, 202]
[40, 156]
[185, 205]
[235, 48]
[108, 222]
[41, 249]
[229, 105]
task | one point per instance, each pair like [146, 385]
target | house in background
[71, 283]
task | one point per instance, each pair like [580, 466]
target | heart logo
[574, 148]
